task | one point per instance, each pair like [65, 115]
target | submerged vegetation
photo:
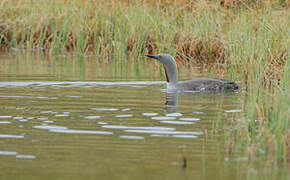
[242, 40]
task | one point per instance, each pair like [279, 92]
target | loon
[195, 85]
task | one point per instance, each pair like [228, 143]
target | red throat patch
[167, 79]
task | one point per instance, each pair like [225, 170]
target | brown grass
[202, 51]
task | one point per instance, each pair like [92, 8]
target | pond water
[75, 118]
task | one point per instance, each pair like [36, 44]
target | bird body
[196, 85]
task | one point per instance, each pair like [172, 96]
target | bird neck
[171, 74]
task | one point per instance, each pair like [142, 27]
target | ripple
[176, 122]
[50, 127]
[22, 120]
[42, 97]
[69, 96]
[198, 112]
[38, 97]
[163, 118]
[126, 109]
[5, 117]
[22, 156]
[143, 128]
[48, 121]
[174, 114]
[61, 115]
[5, 122]
[124, 115]
[45, 112]
[70, 131]
[13, 96]
[132, 137]
[8, 153]
[189, 119]
[234, 111]
[184, 136]
[92, 117]
[105, 109]
[16, 154]
[11, 136]
[149, 114]
[42, 118]
[164, 132]
[102, 123]
[17, 118]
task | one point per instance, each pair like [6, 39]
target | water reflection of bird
[197, 85]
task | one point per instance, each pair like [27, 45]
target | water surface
[64, 117]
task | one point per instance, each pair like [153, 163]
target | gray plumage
[213, 85]
[199, 85]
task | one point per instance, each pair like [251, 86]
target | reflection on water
[10, 136]
[70, 131]
[171, 100]
[67, 118]
[17, 155]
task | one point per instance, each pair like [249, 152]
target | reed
[241, 40]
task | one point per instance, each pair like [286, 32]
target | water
[70, 118]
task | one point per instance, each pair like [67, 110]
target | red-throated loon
[199, 85]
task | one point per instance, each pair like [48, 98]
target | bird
[195, 85]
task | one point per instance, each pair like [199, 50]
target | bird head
[163, 58]
[169, 66]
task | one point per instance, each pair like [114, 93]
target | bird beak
[151, 56]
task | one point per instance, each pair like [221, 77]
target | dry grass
[202, 52]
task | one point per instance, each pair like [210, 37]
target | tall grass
[241, 40]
